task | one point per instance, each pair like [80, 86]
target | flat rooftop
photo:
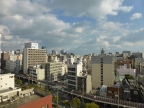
[20, 102]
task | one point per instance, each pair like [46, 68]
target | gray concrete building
[53, 71]
[84, 83]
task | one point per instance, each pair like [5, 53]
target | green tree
[56, 97]
[48, 91]
[91, 105]
[128, 76]
[18, 81]
[75, 102]
[65, 102]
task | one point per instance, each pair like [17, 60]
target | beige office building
[33, 57]
[102, 70]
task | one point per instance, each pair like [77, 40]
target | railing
[105, 100]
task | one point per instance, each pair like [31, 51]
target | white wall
[40, 74]
[31, 45]
[6, 81]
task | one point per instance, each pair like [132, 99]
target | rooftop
[20, 102]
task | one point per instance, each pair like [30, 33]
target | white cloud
[136, 16]
[18, 17]
[118, 46]
[126, 8]
[97, 9]
[8, 37]
[116, 38]
[38, 20]
[103, 37]
[106, 44]
[128, 44]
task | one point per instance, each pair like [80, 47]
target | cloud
[63, 24]
[116, 38]
[136, 16]
[128, 44]
[97, 9]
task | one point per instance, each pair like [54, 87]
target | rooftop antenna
[100, 49]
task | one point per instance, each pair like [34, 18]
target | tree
[19, 82]
[47, 91]
[56, 97]
[75, 102]
[65, 102]
[91, 105]
[128, 76]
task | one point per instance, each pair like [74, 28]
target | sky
[77, 26]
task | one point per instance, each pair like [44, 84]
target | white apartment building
[33, 57]
[70, 60]
[7, 87]
[36, 73]
[122, 70]
[31, 45]
[6, 81]
[74, 70]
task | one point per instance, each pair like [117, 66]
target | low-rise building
[122, 70]
[7, 87]
[131, 91]
[36, 73]
[115, 92]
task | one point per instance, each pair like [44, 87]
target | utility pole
[57, 96]
[83, 89]
[118, 91]
[118, 97]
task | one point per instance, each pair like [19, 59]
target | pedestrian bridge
[104, 100]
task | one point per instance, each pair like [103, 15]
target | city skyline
[81, 27]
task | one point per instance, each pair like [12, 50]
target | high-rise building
[54, 52]
[31, 45]
[102, 70]
[33, 57]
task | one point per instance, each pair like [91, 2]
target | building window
[135, 92]
[1, 78]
